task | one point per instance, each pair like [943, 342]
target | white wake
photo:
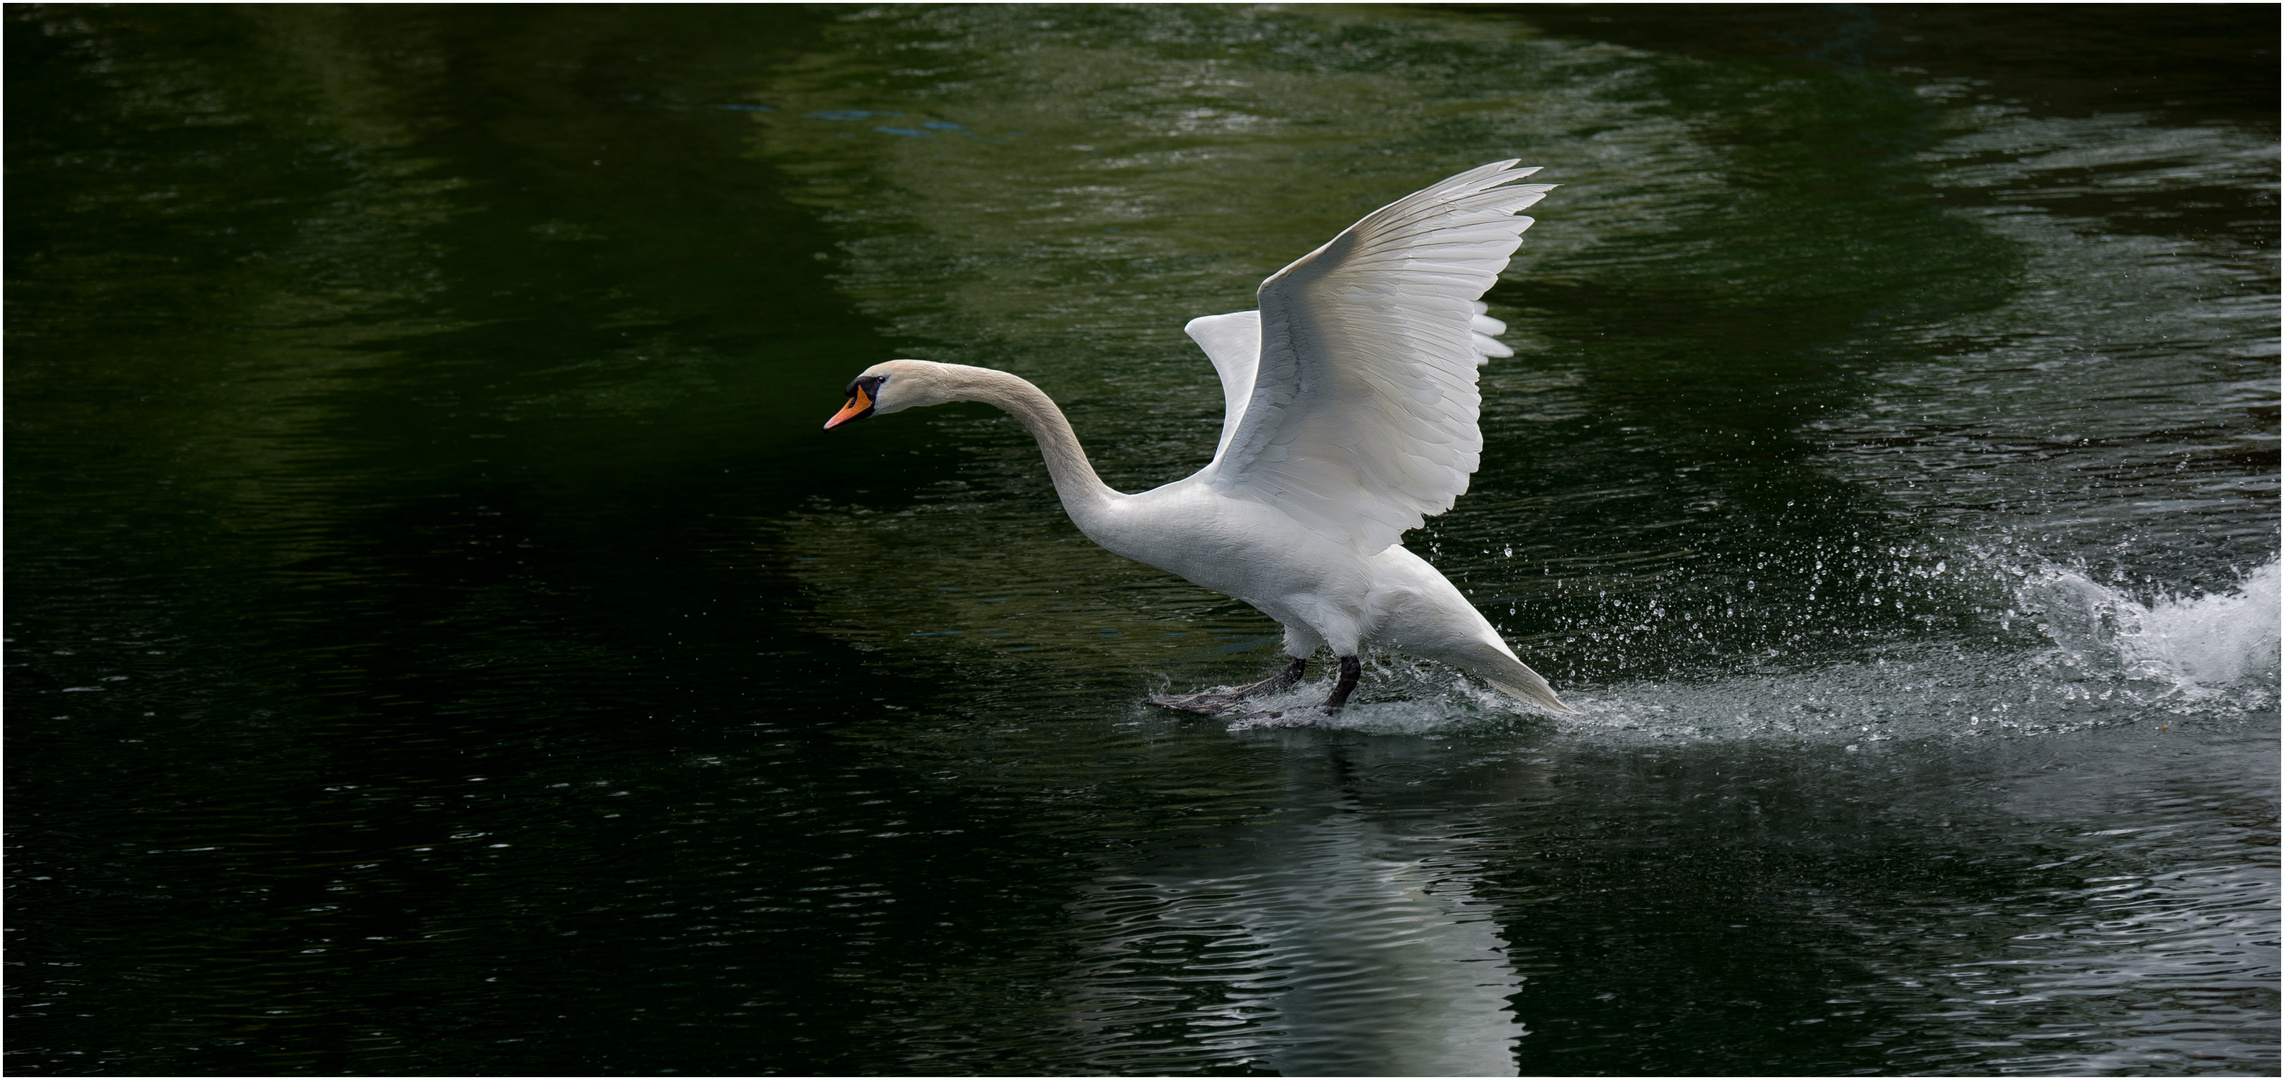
[2109, 658]
[2198, 644]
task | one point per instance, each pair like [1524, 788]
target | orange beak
[859, 407]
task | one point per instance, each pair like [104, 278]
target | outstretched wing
[1361, 417]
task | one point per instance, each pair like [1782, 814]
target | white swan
[1351, 418]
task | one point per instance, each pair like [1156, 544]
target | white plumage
[1351, 418]
[1362, 419]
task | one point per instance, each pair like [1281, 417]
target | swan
[1350, 418]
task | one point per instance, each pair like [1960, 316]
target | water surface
[440, 639]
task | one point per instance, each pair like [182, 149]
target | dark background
[410, 668]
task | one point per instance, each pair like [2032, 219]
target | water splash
[2112, 660]
[1400, 696]
[2198, 644]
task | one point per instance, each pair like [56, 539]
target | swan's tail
[1511, 676]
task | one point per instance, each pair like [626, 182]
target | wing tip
[1510, 170]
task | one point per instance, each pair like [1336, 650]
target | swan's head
[891, 386]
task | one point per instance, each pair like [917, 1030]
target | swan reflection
[1335, 934]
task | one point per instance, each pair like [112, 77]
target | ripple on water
[1327, 947]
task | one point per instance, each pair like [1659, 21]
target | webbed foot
[1216, 704]
[1201, 704]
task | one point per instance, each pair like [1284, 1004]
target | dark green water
[439, 639]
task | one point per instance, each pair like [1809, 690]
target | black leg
[1292, 674]
[1351, 669]
[1210, 704]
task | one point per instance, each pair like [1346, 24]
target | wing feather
[1360, 420]
[1233, 343]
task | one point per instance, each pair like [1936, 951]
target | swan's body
[1351, 418]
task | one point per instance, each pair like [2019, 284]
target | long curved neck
[1085, 497]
